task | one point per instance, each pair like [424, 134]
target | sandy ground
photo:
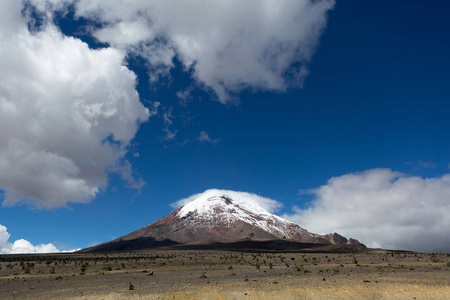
[226, 275]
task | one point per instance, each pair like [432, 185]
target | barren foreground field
[175, 274]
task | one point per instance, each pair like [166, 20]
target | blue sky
[372, 113]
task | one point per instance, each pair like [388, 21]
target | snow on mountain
[252, 202]
[223, 208]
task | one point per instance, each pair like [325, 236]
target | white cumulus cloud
[229, 45]
[22, 246]
[382, 208]
[67, 113]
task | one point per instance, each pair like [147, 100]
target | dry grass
[207, 275]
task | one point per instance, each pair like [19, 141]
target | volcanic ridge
[223, 220]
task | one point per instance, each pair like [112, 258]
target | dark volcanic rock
[336, 238]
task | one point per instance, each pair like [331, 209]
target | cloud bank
[22, 246]
[227, 45]
[382, 208]
[67, 112]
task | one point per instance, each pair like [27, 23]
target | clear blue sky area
[377, 96]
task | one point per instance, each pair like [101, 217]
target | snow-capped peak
[222, 208]
[219, 215]
[202, 203]
[251, 202]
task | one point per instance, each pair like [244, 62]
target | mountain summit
[219, 216]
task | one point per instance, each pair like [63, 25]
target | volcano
[218, 216]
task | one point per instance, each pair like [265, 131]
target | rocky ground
[177, 274]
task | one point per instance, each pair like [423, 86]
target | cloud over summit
[245, 198]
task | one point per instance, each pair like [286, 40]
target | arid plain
[203, 274]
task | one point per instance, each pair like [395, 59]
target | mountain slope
[217, 216]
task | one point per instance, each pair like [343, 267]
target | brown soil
[226, 275]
